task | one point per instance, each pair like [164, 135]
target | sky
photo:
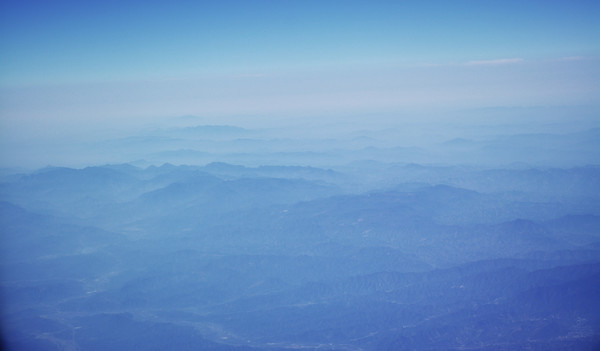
[68, 66]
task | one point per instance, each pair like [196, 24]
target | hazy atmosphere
[276, 175]
[75, 72]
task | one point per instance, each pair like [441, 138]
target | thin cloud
[249, 75]
[570, 58]
[496, 62]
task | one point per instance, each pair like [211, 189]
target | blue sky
[54, 42]
[84, 63]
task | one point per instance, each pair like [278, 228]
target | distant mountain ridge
[368, 256]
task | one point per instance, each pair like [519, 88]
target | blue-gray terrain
[292, 243]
